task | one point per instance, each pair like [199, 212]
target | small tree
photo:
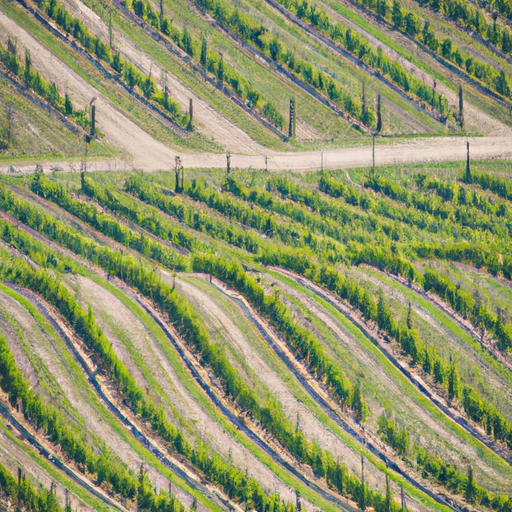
[453, 382]
[387, 502]
[409, 317]
[220, 70]
[397, 15]
[204, 53]
[28, 69]
[470, 492]
[68, 105]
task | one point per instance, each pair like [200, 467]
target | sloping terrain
[201, 79]
[315, 341]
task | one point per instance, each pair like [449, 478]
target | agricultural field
[255, 256]
[257, 341]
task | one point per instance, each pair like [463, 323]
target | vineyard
[253, 341]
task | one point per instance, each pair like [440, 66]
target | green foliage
[39, 85]
[403, 19]
[298, 337]
[130, 74]
[24, 496]
[105, 223]
[178, 311]
[51, 420]
[436, 467]
[253, 32]
[470, 17]
[368, 53]
[200, 221]
[500, 186]
[210, 60]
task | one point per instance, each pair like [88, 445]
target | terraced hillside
[256, 341]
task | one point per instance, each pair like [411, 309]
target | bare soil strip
[314, 389]
[401, 366]
[413, 151]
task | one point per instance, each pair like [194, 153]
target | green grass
[403, 383]
[114, 93]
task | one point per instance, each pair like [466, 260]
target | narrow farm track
[327, 408]
[332, 46]
[120, 415]
[414, 151]
[450, 413]
[53, 459]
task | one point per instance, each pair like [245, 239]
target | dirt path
[413, 151]
[209, 120]
[293, 408]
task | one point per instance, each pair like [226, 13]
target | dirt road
[413, 151]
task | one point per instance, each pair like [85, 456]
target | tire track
[461, 421]
[327, 408]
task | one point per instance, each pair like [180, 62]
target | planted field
[317, 341]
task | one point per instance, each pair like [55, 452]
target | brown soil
[209, 121]
[463, 450]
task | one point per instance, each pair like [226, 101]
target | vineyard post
[178, 174]
[93, 120]
[461, 107]
[84, 163]
[468, 165]
[110, 32]
[373, 152]
[363, 99]
[363, 500]
[291, 122]
[190, 115]
[379, 114]
[93, 116]
[322, 160]
[228, 162]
